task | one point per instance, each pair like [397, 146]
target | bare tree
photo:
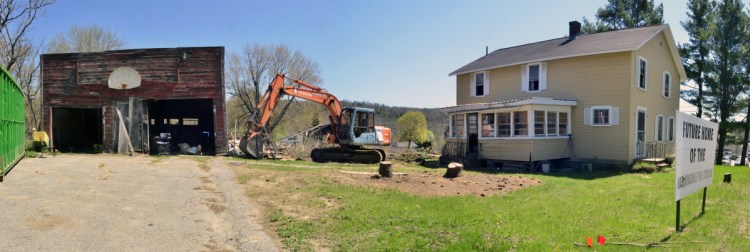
[83, 39]
[18, 54]
[15, 19]
[26, 72]
[249, 73]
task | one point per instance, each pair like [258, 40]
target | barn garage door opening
[188, 121]
[77, 129]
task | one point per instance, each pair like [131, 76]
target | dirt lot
[426, 182]
[279, 187]
[431, 183]
[120, 203]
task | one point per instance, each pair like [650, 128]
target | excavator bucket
[252, 147]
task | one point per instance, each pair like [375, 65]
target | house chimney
[574, 28]
[486, 50]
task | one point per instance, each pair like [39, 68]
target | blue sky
[396, 52]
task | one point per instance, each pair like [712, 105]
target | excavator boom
[349, 134]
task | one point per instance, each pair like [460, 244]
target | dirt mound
[429, 183]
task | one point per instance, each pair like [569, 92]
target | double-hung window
[667, 85]
[503, 124]
[600, 116]
[659, 128]
[552, 123]
[479, 84]
[457, 126]
[520, 123]
[534, 77]
[670, 129]
[488, 125]
[642, 73]
[539, 122]
[563, 125]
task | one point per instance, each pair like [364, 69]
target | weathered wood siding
[79, 80]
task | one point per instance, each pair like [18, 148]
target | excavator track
[347, 155]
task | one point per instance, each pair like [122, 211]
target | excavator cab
[357, 127]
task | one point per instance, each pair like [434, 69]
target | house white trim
[508, 104]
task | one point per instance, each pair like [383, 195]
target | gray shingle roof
[589, 44]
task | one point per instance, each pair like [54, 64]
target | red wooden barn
[181, 92]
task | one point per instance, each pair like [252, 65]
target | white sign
[695, 152]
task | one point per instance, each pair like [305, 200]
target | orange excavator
[352, 127]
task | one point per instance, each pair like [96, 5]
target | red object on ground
[602, 240]
[589, 241]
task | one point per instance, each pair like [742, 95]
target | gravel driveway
[121, 203]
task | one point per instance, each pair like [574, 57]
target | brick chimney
[574, 28]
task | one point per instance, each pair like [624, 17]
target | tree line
[19, 53]
[716, 58]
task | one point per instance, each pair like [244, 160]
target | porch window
[520, 123]
[539, 123]
[457, 126]
[563, 126]
[503, 124]
[552, 123]
[488, 125]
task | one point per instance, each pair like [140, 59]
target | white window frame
[528, 78]
[659, 128]
[609, 115]
[666, 85]
[638, 74]
[542, 77]
[670, 130]
[557, 123]
[546, 124]
[450, 126]
[485, 84]
[481, 125]
[567, 123]
[529, 120]
[510, 124]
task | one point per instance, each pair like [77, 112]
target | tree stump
[385, 170]
[727, 178]
[454, 170]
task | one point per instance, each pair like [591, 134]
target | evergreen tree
[620, 14]
[695, 53]
[727, 43]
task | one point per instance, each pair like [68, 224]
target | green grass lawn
[567, 207]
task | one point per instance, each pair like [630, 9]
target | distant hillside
[301, 114]
[387, 115]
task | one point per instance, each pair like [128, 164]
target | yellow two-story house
[602, 100]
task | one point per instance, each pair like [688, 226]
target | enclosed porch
[527, 132]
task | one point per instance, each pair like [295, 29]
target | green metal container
[12, 123]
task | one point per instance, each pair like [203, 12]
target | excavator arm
[349, 135]
[309, 92]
